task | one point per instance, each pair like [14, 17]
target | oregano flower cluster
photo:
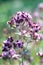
[8, 48]
[23, 22]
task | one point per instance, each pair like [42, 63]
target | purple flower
[11, 22]
[18, 44]
[13, 54]
[19, 18]
[4, 55]
[5, 48]
[7, 44]
[40, 54]
[34, 27]
[10, 39]
[40, 6]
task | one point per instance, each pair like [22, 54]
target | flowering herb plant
[12, 49]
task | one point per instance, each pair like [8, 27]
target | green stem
[22, 59]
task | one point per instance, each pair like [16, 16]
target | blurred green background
[10, 7]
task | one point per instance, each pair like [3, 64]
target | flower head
[10, 39]
[40, 6]
[5, 48]
[8, 44]
[21, 20]
[18, 44]
[13, 54]
[5, 55]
